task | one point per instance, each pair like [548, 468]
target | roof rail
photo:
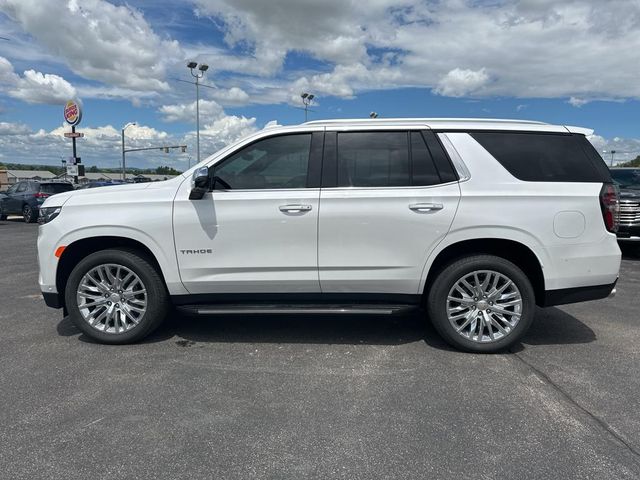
[340, 121]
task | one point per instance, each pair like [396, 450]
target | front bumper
[629, 233]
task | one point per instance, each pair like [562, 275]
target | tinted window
[12, 189]
[53, 188]
[22, 186]
[373, 159]
[423, 169]
[440, 157]
[276, 162]
[537, 157]
[627, 178]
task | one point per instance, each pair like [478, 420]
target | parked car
[25, 198]
[476, 221]
[95, 184]
[628, 181]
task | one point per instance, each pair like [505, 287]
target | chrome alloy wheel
[484, 306]
[112, 298]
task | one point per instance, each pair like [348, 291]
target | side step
[277, 309]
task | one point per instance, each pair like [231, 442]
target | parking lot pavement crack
[567, 396]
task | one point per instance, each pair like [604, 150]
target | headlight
[48, 213]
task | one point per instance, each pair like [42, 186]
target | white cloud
[222, 132]
[625, 148]
[460, 83]
[233, 96]
[455, 47]
[7, 128]
[577, 102]
[186, 112]
[35, 87]
[98, 40]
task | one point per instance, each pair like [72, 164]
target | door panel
[257, 231]
[378, 240]
[248, 242]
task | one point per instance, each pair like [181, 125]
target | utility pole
[197, 75]
[124, 173]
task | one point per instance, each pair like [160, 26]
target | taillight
[610, 204]
[42, 195]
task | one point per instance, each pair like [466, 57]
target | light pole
[307, 98]
[612, 152]
[124, 175]
[64, 167]
[197, 75]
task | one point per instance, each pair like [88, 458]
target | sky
[574, 62]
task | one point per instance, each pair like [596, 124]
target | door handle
[295, 208]
[425, 207]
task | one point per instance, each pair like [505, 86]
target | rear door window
[545, 157]
[373, 159]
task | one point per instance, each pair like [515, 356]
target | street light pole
[197, 75]
[612, 152]
[124, 175]
[307, 98]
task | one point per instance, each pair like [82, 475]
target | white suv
[476, 221]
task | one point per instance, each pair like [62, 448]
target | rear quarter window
[545, 157]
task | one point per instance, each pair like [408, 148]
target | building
[9, 177]
[108, 177]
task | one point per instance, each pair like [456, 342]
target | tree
[93, 169]
[167, 171]
[631, 163]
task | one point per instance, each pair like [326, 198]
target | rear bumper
[565, 296]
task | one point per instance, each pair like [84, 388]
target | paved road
[292, 398]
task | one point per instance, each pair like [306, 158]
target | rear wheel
[116, 296]
[482, 303]
[29, 214]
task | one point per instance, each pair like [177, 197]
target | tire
[450, 297]
[108, 322]
[29, 215]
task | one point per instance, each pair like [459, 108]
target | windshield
[628, 178]
[55, 187]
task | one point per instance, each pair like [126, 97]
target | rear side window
[373, 159]
[55, 187]
[543, 157]
[386, 159]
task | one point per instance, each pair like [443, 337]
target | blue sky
[575, 62]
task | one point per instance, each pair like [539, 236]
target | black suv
[24, 198]
[628, 181]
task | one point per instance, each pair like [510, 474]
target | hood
[60, 199]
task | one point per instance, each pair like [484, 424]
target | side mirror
[199, 183]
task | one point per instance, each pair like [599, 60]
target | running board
[244, 309]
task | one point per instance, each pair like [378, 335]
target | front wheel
[481, 303]
[116, 296]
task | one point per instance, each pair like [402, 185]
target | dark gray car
[25, 197]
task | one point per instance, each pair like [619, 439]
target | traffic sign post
[73, 115]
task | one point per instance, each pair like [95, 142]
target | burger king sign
[72, 113]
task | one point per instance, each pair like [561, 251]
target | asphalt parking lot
[290, 398]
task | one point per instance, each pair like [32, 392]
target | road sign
[72, 170]
[73, 134]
